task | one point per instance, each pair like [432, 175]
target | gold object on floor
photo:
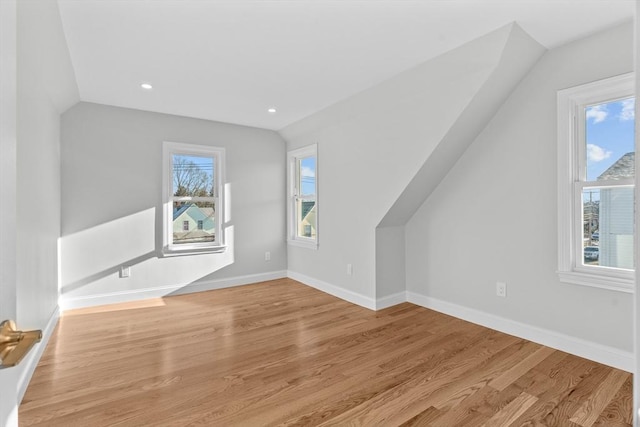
[14, 345]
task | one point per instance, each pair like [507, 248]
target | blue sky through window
[609, 134]
[308, 175]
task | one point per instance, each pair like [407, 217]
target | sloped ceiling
[232, 60]
[519, 53]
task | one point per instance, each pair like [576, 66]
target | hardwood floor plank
[561, 414]
[562, 381]
[281, 353]
[587, 414]
[507, 415]
[619, 411]
[508, 377]
[413, 396]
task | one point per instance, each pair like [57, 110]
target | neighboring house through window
[302, 208]
[596, 179]
[193, 202]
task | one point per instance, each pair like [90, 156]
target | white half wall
[112, 199]
[636, 311]
[8, 144]
[493, 218]
[390, 261]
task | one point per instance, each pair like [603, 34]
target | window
[302, 208]
[193, 202]
[596, 178]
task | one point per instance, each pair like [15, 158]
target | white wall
[636, 377]
[390, 261]
[37, 85]
[8, 142]
[494, 217]
[46, 87]
[112, 198]
[371, 146]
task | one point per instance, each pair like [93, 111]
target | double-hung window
[302, 208]
[596, 176]
[193, 198]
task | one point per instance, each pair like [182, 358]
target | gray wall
[8, 143]
[37, 85]
[46, 87]
[112, 198]
[494, 217]
[390, 261]
[371, 145]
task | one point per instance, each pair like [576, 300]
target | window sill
[302, 244]
[191, 251]
[612, 283]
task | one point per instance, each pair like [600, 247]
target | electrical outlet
[267, 256]
[501, 289]
[125, 271]
[349, 269]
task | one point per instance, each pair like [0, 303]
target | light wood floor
[280, 353]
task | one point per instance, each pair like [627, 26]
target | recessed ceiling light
[272, 110]
[146, 86]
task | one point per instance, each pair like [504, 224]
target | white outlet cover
[501, 289]
[125, 271]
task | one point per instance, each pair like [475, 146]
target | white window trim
[571, 103]
[168, 149]
[292, 238]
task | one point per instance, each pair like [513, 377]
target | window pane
[307, 174]
[306, 218]
[193, 175]
[306, 204]
[608, 227]
[193, 222]
[610, 143]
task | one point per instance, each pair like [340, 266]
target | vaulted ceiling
[232, 60]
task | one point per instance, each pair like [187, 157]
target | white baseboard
[336, 291]
[589, 350]
[391, 300]
[68, 303]
[28, 365]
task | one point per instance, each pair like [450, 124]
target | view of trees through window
[194, 199]
[608, 191]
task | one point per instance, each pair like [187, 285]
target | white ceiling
[232, 60]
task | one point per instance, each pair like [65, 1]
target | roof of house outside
[179, 211]
[307, 206]
[207, 211]
[625, 167]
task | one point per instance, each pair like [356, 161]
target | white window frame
[169, 149]
[293, 157]
[572, 180]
